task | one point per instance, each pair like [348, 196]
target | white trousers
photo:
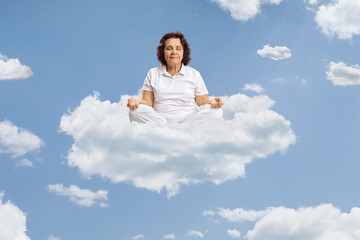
[147, 114]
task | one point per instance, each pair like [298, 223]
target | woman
[173, 92]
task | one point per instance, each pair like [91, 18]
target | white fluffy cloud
[244, 10]
[17, 141]
[275, 53]
[156, 158]
[253, 87]
[323, 222]
[81, 197]
[12, 221]
[233, 233]
[342, 75]
[170, 236]
[339, 18]
[12, 69]
[195, 233]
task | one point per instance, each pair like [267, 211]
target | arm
[147, 99]
[204, 99]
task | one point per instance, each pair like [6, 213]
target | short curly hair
[160, 49]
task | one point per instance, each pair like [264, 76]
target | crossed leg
[147, 114]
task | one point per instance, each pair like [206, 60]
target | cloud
[170, 236]
[51, 237]
[243, 10]
[278, 80]
[342, 75]
[81, 197]
[156, 158]
[316, 223]
[12, 221]
[12, 69]
[238, 214]
[339, 18]
[141, 236]
[209, 213]
[313, 2]
[17, 141]
[24, 163]
[233, 233]
[253, 87]
[195, 233]
[275, 53]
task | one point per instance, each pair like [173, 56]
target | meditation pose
[174, 92]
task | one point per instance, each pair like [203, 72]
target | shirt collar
[182, 70]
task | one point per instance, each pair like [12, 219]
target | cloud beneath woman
[155, 158]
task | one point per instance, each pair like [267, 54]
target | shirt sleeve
[200, 86]
[147, 83]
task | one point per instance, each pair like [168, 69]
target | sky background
[66, 50]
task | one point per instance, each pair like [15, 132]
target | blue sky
[302, 109]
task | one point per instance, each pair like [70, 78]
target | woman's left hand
[216, 102]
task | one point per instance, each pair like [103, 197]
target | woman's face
[173, 51]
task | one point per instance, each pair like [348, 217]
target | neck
[173, 69]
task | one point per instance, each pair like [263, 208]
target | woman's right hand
[133, 103]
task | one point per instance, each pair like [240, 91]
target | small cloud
[12, 69]
[208, 213]
[170, 236]
[243, 10]
[310, 9]
[24, 163]
[233, 233]
[253, 87]
[303, 82]
[17, 141]
[240, 215]
[51, 237]
[12, 221]
[103, 205]
[195, 233]
[140, 236]
[341, 75]
[278, 80]
[275, 53]
[313, 2]
[81, 197]
[339, 18]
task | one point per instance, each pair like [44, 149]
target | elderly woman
[174, 92]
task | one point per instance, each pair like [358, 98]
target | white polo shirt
[175, 95]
